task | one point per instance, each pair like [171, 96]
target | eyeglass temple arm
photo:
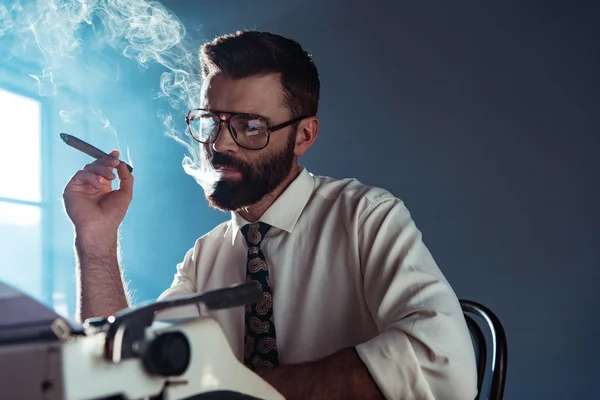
[288, 123]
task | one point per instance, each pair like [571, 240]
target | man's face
[244, 177]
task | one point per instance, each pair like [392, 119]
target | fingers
[83, 177]
[100, 173]
[112, 160]
[104, 166]
[101, 170]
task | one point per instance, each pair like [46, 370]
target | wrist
[97, 244]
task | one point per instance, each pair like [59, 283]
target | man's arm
[184, 282]
[423, 349]
[341, 375]
[96, 211]
[101, 289]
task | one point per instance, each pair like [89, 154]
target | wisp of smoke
[142, 30]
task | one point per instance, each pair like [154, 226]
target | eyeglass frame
[227, 120]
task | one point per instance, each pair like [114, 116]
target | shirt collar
[286, 209]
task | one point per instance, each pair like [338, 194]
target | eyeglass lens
[249, 130]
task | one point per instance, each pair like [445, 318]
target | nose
[225, 142]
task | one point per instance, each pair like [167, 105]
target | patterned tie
[260, 343]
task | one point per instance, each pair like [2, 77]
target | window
[21, 203]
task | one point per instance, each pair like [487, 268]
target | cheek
[251, 160]
[255, 163]
[278, 139]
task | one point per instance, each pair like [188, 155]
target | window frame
[46, 223]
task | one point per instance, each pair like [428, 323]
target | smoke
[93, 114]
[53, 34]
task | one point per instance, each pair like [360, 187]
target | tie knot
[254, 233]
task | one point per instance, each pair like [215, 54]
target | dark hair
[251, 53]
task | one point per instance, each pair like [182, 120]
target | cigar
[87, 148]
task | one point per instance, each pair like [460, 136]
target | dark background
[483, 117]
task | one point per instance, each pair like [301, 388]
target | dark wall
[483, 118]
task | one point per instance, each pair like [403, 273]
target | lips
[228, 172]
[225, 168]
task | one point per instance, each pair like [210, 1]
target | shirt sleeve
[424, 349]
[184, 282]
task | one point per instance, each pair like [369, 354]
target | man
[353, 305]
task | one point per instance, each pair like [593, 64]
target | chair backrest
[475, 312]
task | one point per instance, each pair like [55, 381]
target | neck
[255, 211]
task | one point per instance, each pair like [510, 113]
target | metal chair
[499, 347]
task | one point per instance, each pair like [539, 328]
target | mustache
[225, 160]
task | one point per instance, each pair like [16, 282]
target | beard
[259, 178]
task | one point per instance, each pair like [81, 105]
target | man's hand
[342, 375]
[90, 202]
[96, 211]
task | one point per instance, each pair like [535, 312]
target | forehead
[255, 95]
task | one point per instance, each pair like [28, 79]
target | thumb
[125, 179]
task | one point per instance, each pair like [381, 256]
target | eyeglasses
[250, 131]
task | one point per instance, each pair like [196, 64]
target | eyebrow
[237, 112]
[214, 111]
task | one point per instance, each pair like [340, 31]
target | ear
[307, 133]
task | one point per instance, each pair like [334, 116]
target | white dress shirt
[347, 268]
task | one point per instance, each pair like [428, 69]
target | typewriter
[130, 355]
